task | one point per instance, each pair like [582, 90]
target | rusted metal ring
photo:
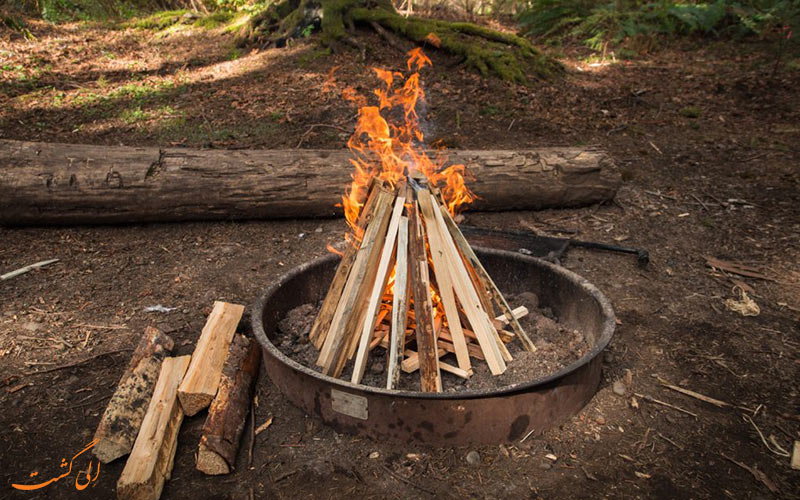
[462, 417]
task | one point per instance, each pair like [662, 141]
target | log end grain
[209, 462]
[194, 403]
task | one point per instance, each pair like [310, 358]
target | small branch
[663, 403]
[778, 448]
[77, 363]
[406, 481]
[27, 269]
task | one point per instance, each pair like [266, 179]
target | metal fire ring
[448, 418]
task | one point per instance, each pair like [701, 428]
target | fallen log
[219, 442]
[123, 416]
[46, 183]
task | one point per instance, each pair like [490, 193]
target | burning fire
[387, 142]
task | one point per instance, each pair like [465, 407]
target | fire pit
[450, 418]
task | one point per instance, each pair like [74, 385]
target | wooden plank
[486, 280]
[123, 416]
[202, 379]
[478, 320]
[323, 320]
[516, 313]
[345, 320]
[442, 275]
[222, 431]
[153, 454]
[379, 285]
[430, 379]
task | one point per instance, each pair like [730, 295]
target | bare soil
[706, 137]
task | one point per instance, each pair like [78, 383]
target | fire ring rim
[606, 334]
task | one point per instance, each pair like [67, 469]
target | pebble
[473, 457]
[318, 230]
[618, 387]
[600, 420]
[545, 466]
[374, 455]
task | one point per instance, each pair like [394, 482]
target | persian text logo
[80, 484]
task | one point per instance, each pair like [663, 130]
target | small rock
[545, 466]
[551, 457]
[618, 387]
[628, 377]
[374, 455]
[473, 457]
[600, 420]
[318, 230]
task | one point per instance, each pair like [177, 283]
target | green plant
[599, 22]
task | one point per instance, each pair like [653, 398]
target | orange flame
[387, 142]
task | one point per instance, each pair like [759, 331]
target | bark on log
[45, 183]
[120, 423]
[227, 415]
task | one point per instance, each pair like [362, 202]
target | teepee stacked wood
[414, 287]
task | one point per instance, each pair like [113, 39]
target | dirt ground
[706, 138]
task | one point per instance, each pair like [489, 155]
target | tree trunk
[78, 184]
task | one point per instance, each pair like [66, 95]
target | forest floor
[706, 137]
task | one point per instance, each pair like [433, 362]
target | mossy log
[488, 51]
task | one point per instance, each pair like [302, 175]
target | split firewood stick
[517, 313]
[440, 268]
[430, 379]
[488, 283]
[378, 286]
[381, 340]
[411, 364]
[323, 320]
[345, 320]
[153, 454]
[398, 336]
[123, 416]
[445, 343]
[467, 296]
[216, 453]
[202, 379]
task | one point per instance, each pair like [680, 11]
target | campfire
[408, 281]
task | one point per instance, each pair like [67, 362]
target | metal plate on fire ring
[348, 404]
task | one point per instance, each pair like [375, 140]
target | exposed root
[508, 56]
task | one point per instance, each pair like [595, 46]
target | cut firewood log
[202, 379]
[378, 286]
[153, 454]
[123, 416]
[440, 268]
[323, 320]
[446, 344]
[485, 279]
[46, 183]
[222, 431]
[430, 378]
[335, 350]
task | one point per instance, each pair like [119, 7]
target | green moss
[487, 51]
[691, 112]
[157, 21]
[214, 20]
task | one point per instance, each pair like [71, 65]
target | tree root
[488, 51]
